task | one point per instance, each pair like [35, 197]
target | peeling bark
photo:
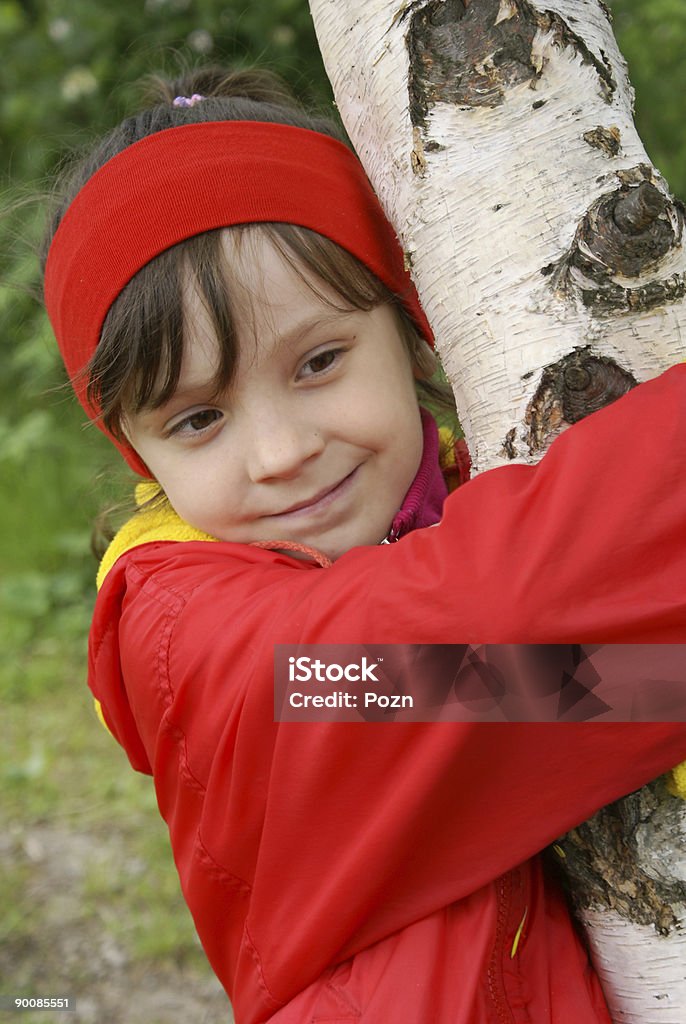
[467, 54]
[625, 234]
[607, 140]
[596, 853]
[471, 54]
[572, 388]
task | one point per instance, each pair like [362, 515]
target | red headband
[184, 181]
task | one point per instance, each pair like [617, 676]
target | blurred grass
[61, 775]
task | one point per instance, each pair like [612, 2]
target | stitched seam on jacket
[164, 678]
[173, 603]
[234, 882]
[112, 624]
[255, 956]
[222, 874]
[344, 1000]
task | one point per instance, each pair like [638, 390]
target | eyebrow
[302, 328]
[204, 389]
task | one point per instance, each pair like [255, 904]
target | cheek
[400, 426]
[178, 498]
[414, 441]
[402, 410]
[188, 493]
[201, 508]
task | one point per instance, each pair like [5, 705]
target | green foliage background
[67, 73]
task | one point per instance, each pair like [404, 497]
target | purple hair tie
[187, 101]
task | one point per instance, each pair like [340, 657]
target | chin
[336, 551]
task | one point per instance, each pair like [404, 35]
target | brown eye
[320, 363]
[196, 423]
[203, 419]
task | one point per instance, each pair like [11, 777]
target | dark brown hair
[138, 359]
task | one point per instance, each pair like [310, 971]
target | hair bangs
[137, 363]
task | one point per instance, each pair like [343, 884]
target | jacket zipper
[495, 974]
[506, 945]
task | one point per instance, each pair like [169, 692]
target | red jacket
[383, 872]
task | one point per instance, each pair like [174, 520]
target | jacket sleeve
[299, 844]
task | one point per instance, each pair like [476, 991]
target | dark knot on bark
[620, 244]
[635, 212]
[576, 378]
[570, 389]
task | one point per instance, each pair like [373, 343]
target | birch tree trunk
[548, 254]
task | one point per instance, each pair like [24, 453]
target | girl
[233, 312]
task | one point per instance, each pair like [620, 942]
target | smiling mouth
[319, 501]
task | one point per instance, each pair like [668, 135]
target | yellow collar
[153, 522]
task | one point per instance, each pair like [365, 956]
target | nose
[281, 445]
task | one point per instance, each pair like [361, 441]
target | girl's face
[318, 437]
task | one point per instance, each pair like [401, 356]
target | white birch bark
[547, 252]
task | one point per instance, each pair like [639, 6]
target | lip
[320, 501]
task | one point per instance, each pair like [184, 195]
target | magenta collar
[423, 503]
